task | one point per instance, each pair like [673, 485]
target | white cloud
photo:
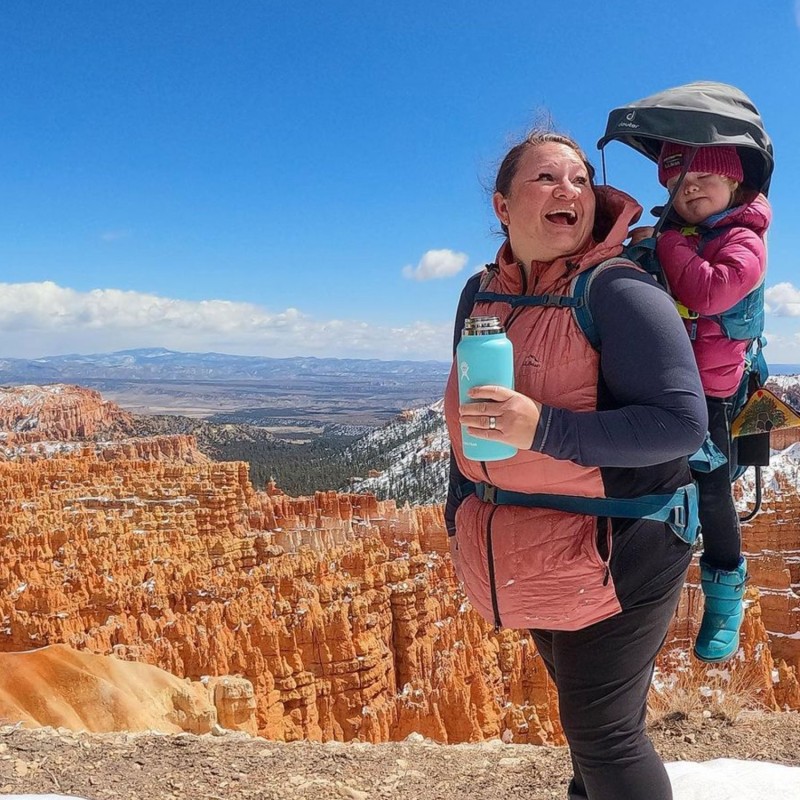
[38, 319]
[783, 299]
[114, 236]
[782, 347]
[436, 264]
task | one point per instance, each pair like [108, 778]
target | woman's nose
[567, 188]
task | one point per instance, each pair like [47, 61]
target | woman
[618, 421]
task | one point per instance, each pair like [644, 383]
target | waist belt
[678, 509]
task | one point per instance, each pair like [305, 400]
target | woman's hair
[537, 136]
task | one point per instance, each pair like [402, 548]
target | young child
[713, 257]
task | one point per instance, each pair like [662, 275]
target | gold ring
[492, 423]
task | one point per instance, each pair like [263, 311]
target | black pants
[603, 675]
[722, 537]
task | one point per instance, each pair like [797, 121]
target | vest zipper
[492, 580]
[603, 543]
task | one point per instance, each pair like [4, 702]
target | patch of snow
[733, 779]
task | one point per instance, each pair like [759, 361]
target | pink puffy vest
[533, 567]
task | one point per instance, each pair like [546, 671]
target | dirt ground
[148, 766]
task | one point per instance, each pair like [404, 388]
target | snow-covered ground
[729, 779]
[783, 382]
[784, 467]
[416, 449]
[722, 779]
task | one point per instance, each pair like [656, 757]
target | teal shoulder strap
[580, 289]
[577, 300]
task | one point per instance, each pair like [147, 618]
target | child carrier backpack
[742, 322]
[706, 114]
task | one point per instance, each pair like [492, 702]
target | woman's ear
[500, 206]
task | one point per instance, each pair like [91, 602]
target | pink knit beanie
[718, 160]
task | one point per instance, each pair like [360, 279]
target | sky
[720, 779]
[306, 178]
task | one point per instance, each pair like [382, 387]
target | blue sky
[274, 178]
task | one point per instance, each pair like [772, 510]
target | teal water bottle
[484, 357]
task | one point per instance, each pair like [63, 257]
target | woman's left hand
[502, 415]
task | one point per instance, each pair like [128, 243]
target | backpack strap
[580, 289]
[705, 236]
[678, 509]
[577, 300]
[514, 300]
[489, 272]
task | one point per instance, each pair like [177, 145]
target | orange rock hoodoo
[57, 413]
[342, 611]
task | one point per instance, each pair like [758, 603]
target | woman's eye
[544, 176]
[581, 179]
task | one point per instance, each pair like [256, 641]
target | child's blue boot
[718, 638]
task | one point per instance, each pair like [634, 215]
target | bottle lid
[482, 326]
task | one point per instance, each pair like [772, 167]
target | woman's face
[549, 210]
[702, 194]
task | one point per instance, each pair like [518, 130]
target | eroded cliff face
[57, 412]
[62, 687]
[342, 612]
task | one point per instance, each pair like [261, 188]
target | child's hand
[644, 232]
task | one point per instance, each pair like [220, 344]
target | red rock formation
[332, 606]
[57, 412]
[780, 440]
[341, 611]
[62, 687]
[271, 488]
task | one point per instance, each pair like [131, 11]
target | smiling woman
[549, 205]
[584, 535]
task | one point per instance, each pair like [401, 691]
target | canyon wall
[56, 412]
[340, 611]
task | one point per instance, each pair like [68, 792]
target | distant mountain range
[243, 389]
[159, 363]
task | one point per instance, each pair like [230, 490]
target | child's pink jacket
[730, 267]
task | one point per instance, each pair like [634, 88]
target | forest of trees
[298, 469]
[332, 460]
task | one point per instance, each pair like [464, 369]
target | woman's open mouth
[560, 216]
